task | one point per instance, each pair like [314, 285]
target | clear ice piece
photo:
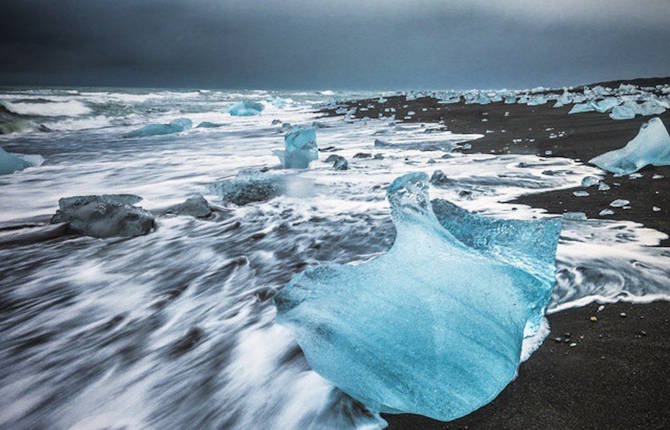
[435, 326]
[650, 146]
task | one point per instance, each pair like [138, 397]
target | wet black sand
[617, 375]
[585, 136]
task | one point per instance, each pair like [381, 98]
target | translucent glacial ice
[176, 126]
[301, 148]
[624, 111]
[10, 163]
[650, 146]
[606, 104]
[246, 108]
[435, 326]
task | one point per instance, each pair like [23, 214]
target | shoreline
[615, 376]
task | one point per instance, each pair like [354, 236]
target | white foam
[63, 108]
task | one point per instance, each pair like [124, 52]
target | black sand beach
[616, 373]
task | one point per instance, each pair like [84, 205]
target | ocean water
[176, 329]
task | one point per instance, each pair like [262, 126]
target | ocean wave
[47, 108]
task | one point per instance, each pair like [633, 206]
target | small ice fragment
[105, 215]
[575, 216]
[439, 178]
[603, 186]
[248, 187]
[195, 206]
[301, 148]
[207, 124]
[619, 203]
[606, 212]
[339, 162]
[10, 163]
[580, 193]
[606, 104]
[651, 107]
[547, 152]
[650, 146]
[622, 112]
[657, 176]
[537, 100]
[589, 181]
[176, 126]
[655, 209]
[582, 107]
[246, 108]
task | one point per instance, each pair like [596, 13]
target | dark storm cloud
[336, 44]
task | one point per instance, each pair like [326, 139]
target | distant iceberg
[176, 126]
[650, 146]
[301, 148]
[246, 108]
[10, 163]
[435, 326]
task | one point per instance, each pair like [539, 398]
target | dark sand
[618, 375]
[586, 136]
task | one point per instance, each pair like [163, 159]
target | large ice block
[435, 326]
[650, 146]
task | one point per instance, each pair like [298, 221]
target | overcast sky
[338, 44]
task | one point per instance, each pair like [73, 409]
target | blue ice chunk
[176, 126]
[651, 107]
[10, 163]
[625, 111]
[606, 104]
[207, 124]
[563, 100]
[301, 148]
[246, 108]
[650, 146]
[483, 99]
[589, 181]
[248, 187]
[537, 100]
[435, 326]
[582, 107]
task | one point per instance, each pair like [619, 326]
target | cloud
[339, 43]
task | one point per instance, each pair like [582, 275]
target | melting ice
[414, 330]
[650, 146]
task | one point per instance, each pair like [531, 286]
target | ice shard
[106, 215]
[625, 111]
[248, 187]
[435, 326]
[582, 107]
[650, 146]
[10, 163]
[246, 108]
[301, 148]
[176, 126]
